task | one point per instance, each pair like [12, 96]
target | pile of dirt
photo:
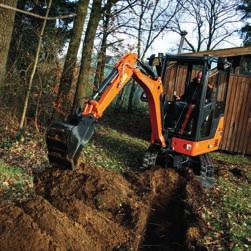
[36, 225]
[97, 209]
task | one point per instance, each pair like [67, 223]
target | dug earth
[97, 209]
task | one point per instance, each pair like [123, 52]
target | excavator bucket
[66, 140]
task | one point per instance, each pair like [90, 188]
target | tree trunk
[6, 27]
[102, 53]
[83, 78]
[133, 88]
[71, 57]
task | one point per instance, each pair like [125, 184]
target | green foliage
[15, 184]
[27, 28]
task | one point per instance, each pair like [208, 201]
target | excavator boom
[66, 140]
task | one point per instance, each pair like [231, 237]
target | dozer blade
[66, 140]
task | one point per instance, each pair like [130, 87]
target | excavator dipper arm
[66, 140]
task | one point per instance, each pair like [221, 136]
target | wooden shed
[237, 134]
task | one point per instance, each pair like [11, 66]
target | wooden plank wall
[237, 133]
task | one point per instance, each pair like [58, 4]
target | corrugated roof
[230, 52]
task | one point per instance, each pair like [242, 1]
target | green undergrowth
[237, 211]
[114, 150]
[228, 212]
[15, 184]
[119, 141]
[233, 159]
[229, 217]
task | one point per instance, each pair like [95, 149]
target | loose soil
[97, 209]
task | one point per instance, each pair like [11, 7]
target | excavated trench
[97, 209]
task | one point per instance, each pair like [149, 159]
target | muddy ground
[97, 209]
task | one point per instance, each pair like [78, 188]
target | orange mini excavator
[184, 130]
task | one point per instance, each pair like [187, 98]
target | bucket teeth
[65, 141]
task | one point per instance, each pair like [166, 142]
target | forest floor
[107, 204]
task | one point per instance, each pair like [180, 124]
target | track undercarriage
[202, 165]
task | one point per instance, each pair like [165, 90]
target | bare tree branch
[211, 20]
[36, 15]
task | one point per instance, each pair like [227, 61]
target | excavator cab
[196, 96]
[195, 90]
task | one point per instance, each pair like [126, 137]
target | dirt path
[97, 209]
